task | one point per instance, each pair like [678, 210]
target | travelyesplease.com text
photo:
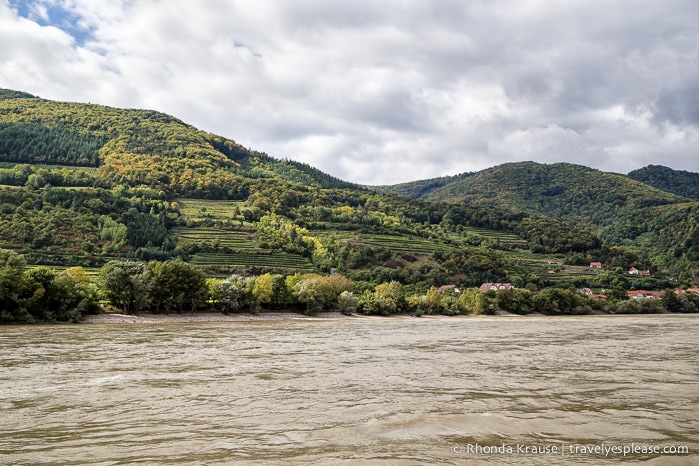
[564, 449]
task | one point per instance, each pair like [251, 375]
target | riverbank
[146, 318]
[115, 318]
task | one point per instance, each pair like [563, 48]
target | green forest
[106, 208]
[623, 211]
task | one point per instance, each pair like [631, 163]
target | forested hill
[680, 182]
[10, 94]
[621, 210]
[137, 147]
[559, 189]
[135, 169]
[86, 185]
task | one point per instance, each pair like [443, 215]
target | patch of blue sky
[53, 14]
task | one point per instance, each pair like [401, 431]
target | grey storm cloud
[679, 106]
[383, 92]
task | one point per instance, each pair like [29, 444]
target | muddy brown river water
[501, 390]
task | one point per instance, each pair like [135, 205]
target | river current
[501, 390]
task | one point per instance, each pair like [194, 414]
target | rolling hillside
[620, 210]
[83, 184]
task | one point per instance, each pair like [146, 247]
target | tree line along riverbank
[41, 294]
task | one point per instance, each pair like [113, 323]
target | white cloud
[383, 92]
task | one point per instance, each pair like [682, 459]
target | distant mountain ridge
[618, 208]
[678, 182]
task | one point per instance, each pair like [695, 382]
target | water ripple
[318, 392]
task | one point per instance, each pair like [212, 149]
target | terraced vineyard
[233, 239]
[417, 245]
[536, 263]
[246, 253]
[216, 263]
[573, 273]
[552, 269]
[208, 208]
[407, 244]
[506, 239]
[397, 243]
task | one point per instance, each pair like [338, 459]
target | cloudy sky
[386, 91]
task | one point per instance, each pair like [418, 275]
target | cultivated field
[217, 263]
[229, 238]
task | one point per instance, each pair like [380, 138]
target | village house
[635, 271]
[644, 294]
[596, 265]
[485, 287]
[694, 291]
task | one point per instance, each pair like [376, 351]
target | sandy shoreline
[114, 318]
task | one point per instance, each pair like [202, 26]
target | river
[569, 390]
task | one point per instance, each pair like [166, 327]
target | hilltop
[680, 182]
